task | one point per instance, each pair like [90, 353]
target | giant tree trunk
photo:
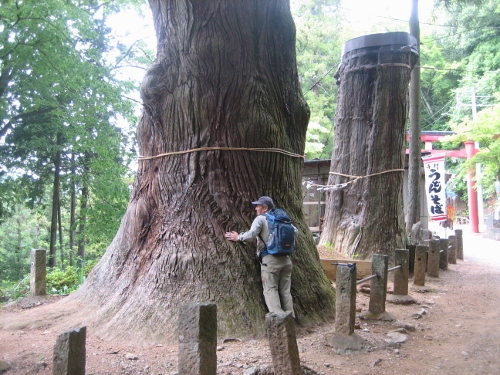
[366, 216]
[224, 77]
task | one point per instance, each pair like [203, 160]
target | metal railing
[376, 275]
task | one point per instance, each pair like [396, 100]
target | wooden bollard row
[198, 322]
[438, 255]
[344, 340]
[197, 344]
[430, 258]
[198, 341]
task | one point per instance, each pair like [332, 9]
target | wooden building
[316, 172]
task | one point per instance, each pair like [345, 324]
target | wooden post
[283, 343]
[443, 253]
[38, 272]
[198, 339]
[433, 257]
[345, 306]
[420, 260]
[378, 290]
[70, 353]
[460, 244]
[452, 249]
[400, 295]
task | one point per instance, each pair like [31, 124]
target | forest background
[69, 105]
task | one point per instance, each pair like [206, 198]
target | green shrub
[12, 291]
[62, 282]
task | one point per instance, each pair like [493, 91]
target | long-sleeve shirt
[259, 229]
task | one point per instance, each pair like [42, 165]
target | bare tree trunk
[72, 215]
[225, 76]
[83, 219]
[60, 231]
[55, 204]
[366, 216]
[413, 204]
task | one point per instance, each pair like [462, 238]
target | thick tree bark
[366, 216]
[225, 76]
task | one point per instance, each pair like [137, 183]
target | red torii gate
[429, 137]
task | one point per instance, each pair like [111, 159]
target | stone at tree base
[283, 343]
[401, 299]
[4, 367]
[268, 370]
[198, 339]
[69, 353]
[384, 315]
[396, 338]
[346, 344]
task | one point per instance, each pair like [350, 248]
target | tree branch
[4, 128]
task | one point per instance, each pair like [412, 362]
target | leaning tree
[223, 122]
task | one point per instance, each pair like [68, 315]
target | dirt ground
[455, 332]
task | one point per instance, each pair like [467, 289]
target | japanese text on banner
[435, 186]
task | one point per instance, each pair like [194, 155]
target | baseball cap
[266, 201]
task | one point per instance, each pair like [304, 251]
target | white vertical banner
[435, 186]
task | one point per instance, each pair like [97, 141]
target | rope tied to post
[310, 184]
[216, 148]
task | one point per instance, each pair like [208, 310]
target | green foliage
[485, 130]
[60, 97]
[472, 42]
[19, 233]
[62, 281]
[318, 55]
[439, 78]
[12, 291]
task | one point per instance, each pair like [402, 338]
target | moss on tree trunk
[225, 76]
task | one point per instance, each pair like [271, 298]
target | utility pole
[414, 161]
[479, 186]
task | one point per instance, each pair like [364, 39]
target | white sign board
[435, 186]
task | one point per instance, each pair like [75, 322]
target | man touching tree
[223, 121]
[275, 269]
